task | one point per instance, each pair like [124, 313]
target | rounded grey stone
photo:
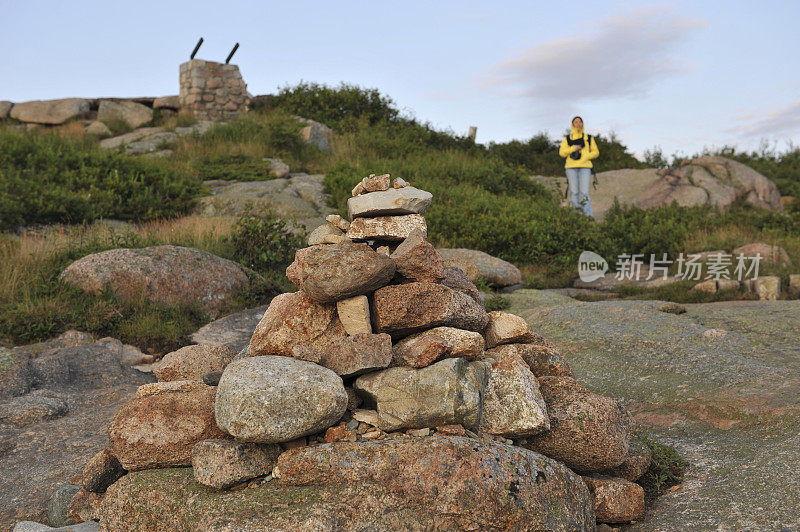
[272, 399]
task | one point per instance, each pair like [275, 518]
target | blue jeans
[579, 180]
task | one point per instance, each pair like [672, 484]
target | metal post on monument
[197, 47]
[230, 55]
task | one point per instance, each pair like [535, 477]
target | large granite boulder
[50, 112]
[588, 432]
[768, 253]
[166, 274]
[434, 483]
[271, 399]
[295, 319]
[159, 430]
[449, 392]
[407, 308]
[711, 180]
[132, 113]
[316, 134]
[480, 265]
[446, 469]
[330, 273]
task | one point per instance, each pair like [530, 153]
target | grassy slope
[483, 200]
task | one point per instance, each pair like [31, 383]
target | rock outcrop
[704, 180]
[714, 181]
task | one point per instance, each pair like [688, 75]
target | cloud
[776, 123]
[618, 56]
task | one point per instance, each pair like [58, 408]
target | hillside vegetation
[483, 199]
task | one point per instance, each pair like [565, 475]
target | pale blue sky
[682, 75]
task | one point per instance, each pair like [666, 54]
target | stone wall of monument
[212, 90]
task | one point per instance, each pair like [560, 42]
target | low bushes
[45, 178]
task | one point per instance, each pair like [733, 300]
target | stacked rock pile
[383, 386]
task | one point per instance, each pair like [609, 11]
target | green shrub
[539, 154]
[263, 243]
[666, 468]
[45, 178]
[185, 119]
[496, 302]
[233, 167]
[332, 105]
[118, 126]
[661, 230]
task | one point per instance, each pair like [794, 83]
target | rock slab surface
[435, 483]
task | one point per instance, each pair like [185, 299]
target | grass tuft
[496, 302]
[666, 468]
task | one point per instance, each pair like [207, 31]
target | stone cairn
[383, 384]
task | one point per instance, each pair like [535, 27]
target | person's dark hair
[573, 120]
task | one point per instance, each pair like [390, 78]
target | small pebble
[212, 378]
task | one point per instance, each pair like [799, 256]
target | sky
[682, 76]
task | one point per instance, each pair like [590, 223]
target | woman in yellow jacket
[579, 149]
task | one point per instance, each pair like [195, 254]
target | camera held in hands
[576, 155]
